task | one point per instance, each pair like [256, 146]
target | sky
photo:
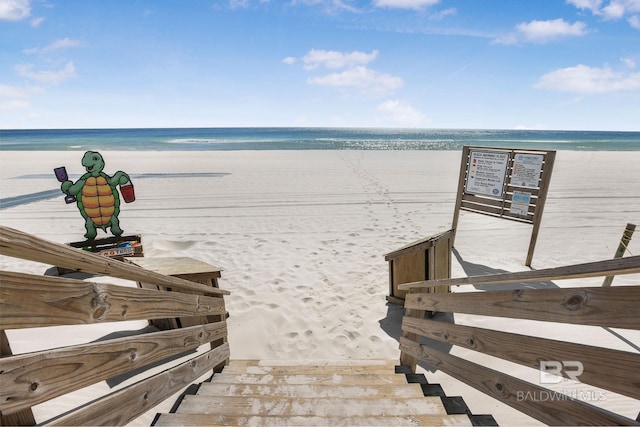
[463, 64]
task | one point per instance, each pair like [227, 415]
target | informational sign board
[486, 173]
[505, 183]
[526, 169]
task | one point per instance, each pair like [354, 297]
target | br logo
[551, 371]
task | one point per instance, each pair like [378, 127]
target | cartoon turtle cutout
[97, 196]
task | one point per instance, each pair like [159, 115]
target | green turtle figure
[97, 196]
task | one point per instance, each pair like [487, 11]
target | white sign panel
[486, 173]
[520, 203]
[526, 170]
[117, 252]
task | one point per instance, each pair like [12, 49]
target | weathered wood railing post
[622, 247]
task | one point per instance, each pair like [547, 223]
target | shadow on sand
[392, 323]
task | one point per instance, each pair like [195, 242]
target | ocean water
[185, 139]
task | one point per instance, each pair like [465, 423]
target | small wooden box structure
[425, 259]
[116, 247]
[183, 268]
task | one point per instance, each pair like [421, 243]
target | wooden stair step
[172, 420]
[310, 393]
[310, 390]
[323, 407]
[323, 379]
[348, 362]
[301, 370]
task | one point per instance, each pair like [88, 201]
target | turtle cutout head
[93, 163]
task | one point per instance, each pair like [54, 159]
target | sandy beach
[301, 236]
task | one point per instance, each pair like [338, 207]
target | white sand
[301, 236]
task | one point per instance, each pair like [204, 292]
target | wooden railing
[35, 301]
[608, 369]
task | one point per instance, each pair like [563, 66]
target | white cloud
[587, 80]
[612, 10]
[592, 5]
[444, 13]
[402, 113]
[405, 4]
[544, 31]
[234, 4]
[289, 60]
[15, 98]
[14, 104]
[334, 60]
[330, 6]
[15, 10]
[11, 91]
[56, 45]
[630, 63]
[370, 81]
[35, 22]
[48, 77]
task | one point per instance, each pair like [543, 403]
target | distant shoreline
[239, 139]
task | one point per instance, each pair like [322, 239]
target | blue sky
[500, 64]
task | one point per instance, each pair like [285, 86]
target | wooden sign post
[505, 183]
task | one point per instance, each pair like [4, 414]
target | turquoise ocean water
[184, 139]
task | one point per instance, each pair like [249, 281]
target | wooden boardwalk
[275, 393]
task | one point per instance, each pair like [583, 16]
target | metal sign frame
[505, 183]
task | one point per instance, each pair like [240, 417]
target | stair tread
[171, 420]
[313, 362]
[310, 390]
[309, 393]
[324, 407]
[316, 369]
[326, 378]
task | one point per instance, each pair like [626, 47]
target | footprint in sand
[172, 245]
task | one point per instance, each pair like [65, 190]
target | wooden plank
[545, 179]
[464, 162]
[30, 301]
[472, 199]
[622, 248]
[618, 266]
[322, 407]
[17, 244]
[170, 266]
[419, 245]
[323, 379]
[442, 263]
[172, 420]
[316, 362]
[559, 409]
[496, 214]
[125, 405]
[59, 371]
[612, 307]
[406, 358]
[22, 417]
[310, 390]
[407, 268]
[605, 368]
[305, 370]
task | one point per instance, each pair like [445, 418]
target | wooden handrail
[33, 301]
[93, 362]
[17, 244]
[528, 398]
[594, 306]
[628, 265]
[146, 393]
